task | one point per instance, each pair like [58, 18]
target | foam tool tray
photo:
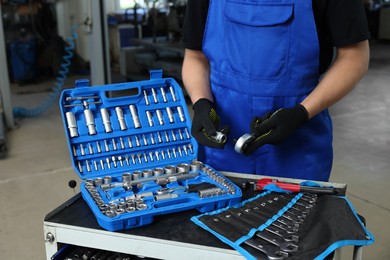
[131, 145]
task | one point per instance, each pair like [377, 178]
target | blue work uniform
[264, 55]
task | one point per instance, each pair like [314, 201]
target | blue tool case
[131, 145]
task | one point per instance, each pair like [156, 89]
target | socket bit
[152, 141]
[74, 150]
[172, 93]
[185, 149]
[190, 148]
[154, 94]
[159, 137]
[170, 115]
[99, 149]
[145, 140]
[80, 167]
[150, 118]
[181, 114]
[137, 141]
[164, 95]
[121, 118]
[122, 143]
[146, 98]
[187, 133]
[107, 147]
[90, 148]
[173, 136]
[180, 134]
[129, 142]
[95, 165]
[72, 125]
[113, 158]
[82, 151]
[108, 163]
[160, 117]
[134, 115]
[106, 120]
[114, 144]
[120, 159]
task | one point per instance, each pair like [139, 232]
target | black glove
[206, 123]
[273, 128]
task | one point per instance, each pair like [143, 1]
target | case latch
[81, 83]
[156, 74]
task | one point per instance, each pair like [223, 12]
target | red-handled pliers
[260, 184]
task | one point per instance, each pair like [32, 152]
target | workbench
[171, 236]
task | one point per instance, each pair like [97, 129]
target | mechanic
[271, 69]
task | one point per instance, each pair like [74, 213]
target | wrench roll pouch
[287, 226]
[131, 145]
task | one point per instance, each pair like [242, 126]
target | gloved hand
[273, 128]
[205, 124]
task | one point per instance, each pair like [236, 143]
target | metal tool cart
[171, 236]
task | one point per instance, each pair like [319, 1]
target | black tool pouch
[287, 226]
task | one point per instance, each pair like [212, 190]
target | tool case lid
[122, 95]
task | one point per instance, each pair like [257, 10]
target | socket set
[131, 144]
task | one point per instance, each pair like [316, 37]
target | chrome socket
[183, 168]
[121, 118]
[126, 177]
[90, 121]
[110, 213]
[134, 115]
[147, 173]
[220, 137]
[72, 124]
[158, 171]
[107, 179]
[196, 166]
[170, 169]
[97, 182]
[106, 120]
[137, 175]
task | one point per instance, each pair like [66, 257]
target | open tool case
[131, 144]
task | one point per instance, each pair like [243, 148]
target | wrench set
[136, 154]
[277, 226]
[268, 226]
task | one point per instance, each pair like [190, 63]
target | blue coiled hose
[58, 84]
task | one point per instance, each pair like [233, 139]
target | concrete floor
[34, 176]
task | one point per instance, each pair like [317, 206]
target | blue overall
[264, 55]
